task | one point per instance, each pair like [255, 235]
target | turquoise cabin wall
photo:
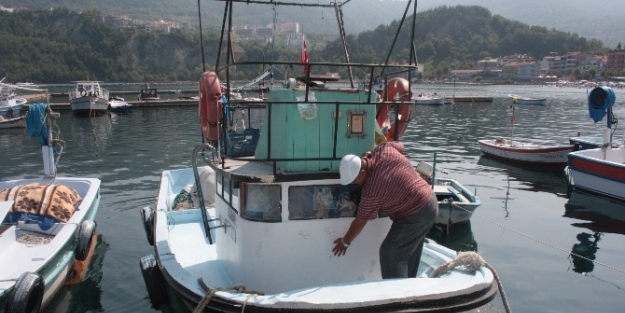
[306, 129]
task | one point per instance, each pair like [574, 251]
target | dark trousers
[400, 252]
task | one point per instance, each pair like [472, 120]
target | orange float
[210, 106]
[398, 91]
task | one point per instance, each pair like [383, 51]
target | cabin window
[262, 203]
[220, 185]
[227, 190]
[323, 201]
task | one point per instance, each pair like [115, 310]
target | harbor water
[554, 250]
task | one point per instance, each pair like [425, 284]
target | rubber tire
[147, 216]
[26, 295]
[154, 282]
[85, 236]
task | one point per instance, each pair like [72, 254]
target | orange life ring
[210, 106]
[398, 91]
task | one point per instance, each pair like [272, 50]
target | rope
[472, 261]
[33, 240]
[201, 306]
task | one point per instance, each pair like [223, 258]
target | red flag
[303, 56]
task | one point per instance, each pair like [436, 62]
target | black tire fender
[85, 236]
[154, 282]
[147, 216]
[27, 294]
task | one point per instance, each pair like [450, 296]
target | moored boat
[47, 225]
[10, 104]
[252, 226]
[88, 98]
[119, 105]
[527, 100]
[15, 122]
[600, 170]
[433, 99]
[526, 152]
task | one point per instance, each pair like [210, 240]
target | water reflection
[530, 177]
[583, 253]
[457, 237]
[599, 213]
[84, 296]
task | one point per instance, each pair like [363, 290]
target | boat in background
[88, 98]
[148, 94]
[600, 170]
[119, 105]
[14, 122]
[433, 99]
[253, 225]
[590, 142]
[526, 152]
[10, 104]
[44, 241]
[527, 100]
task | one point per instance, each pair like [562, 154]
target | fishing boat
[148, 94]
[252, 227]
[590, 142]
[527, 100]
[47, 226]
[88, 98]
[600, 170]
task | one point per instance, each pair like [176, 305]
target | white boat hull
[598, 170]
[527, 100]
[89, 105]
[311, 279]
[526, 152]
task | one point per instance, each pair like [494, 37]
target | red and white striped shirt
[392, 185]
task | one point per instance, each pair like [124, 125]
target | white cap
[349, 168]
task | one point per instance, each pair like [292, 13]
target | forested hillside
[58, 46]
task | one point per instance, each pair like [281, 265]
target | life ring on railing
[210, 106]
[96, 93]
[398, 92]
[83, 93]
[27, 294]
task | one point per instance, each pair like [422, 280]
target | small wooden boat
[456, 203]
[44, 237]
[523, 152]
[15, 122]
[527, 100]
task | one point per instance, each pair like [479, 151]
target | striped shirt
[392, 185]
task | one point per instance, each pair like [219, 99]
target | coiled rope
[472, 261]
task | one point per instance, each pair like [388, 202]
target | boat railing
[306, 84]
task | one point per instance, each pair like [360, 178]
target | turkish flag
[303, 56]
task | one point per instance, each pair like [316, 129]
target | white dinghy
[47, 225]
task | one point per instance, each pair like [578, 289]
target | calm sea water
[526, 227]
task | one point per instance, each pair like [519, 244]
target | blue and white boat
[47, 225]
[119, 105]
[599, 170]
[250, 226]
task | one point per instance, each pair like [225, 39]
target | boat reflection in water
[599, 215]
[537, 180]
